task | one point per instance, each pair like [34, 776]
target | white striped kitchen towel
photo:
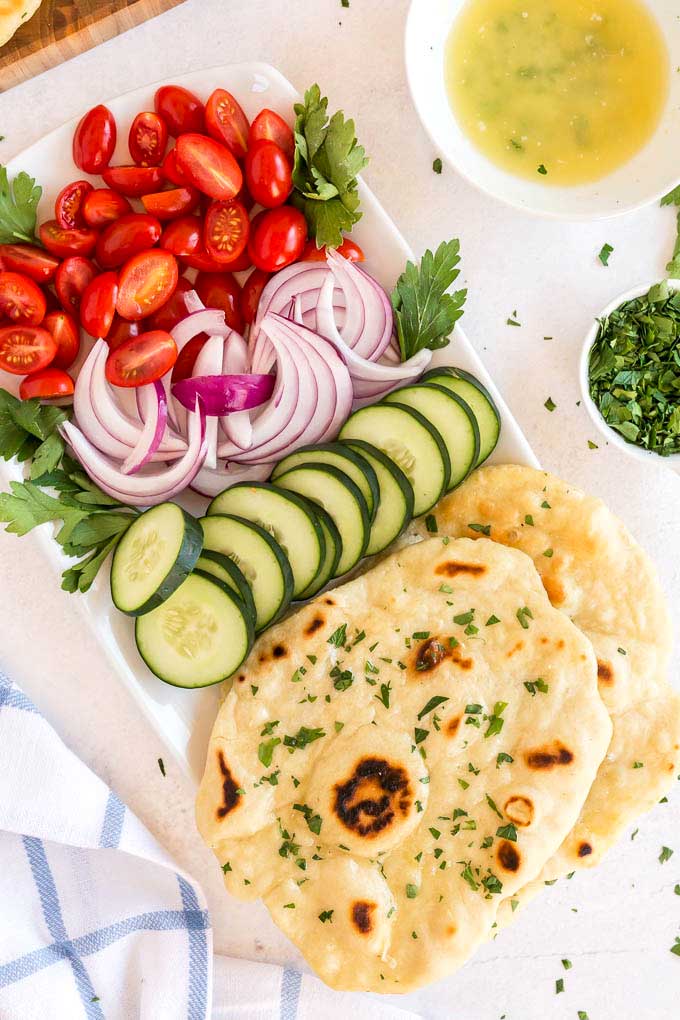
[97, 922]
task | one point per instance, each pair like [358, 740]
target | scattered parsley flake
[482, 529]
[431, 524]
[550, 404]
[437, 165]
[161, 766]
[665, 855]
[605, 252]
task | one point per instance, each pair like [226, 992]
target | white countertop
[627, 914]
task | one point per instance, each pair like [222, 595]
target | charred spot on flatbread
[452, 726]
[555, 590]
[361, 916]
[452, 568]
[549, 756]
[279, 652]
[605, 673]
[519, 810]
[584, 849]
[508, 856]
[375, 794]
[517, 647]
[429, 654]
[230, 796]
[315, 624]
[461, 660]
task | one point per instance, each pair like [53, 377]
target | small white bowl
[610, 434]
[653, 172]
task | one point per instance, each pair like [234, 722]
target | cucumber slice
[225, 570]
[260, 559]
[284, 515]
[479, 400]
[333, 553]
[411, 441]
[335, 491]
[452, 418]
[395, 508]
[153, 558]
[339, 456]
[197, 637]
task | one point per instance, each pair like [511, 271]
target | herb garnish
[303, 737]
[18, 208]
[313, 821]
[424, 312]
[327, 161]
[665, 855]
[438, 699]
[605, 253]
[437, 165]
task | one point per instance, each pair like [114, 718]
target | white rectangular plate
[184, 718]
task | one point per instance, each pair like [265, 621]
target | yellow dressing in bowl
[561, 91]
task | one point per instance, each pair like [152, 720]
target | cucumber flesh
[395, 507]
[479, 400]
[153, 558]
[197, 637]
[289, 519]
[411, 441]
[452, 418]
[333, 554]
[225, 570]
[260, 559]
[342, 457]
[337, 494]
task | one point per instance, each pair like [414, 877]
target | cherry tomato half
[277, 238]
[72, 277]
[125, 237]
[133, 181]
[226, 122]
[186, 359]
[102, 206]
[220, 290]
[270, 126]
[202, 261]
[141, 359]
[251, 293]
[98, 304]
[225, 232]
[68, 207]
[171, 171]
[183, 236]
[94, 140]
[67, 242]
[174, 309]
[21, 300]
[64, 330]
[268, 174]
[209, 166]
[180, 109]
[46, 384]
[121, 330]
[29, 260]
[25, 349]
[168, 205]
[146, 282]
[147, 139]
[349, 250]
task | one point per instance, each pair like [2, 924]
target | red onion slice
[304, 278]
[145, 488]
[206, 320]
[222, 394]
[211, 483]
[209, 362]
[192, 302]
[154, 406]
[237, 426]
[362, 291]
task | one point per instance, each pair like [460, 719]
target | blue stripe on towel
[113, 822]
[13, 697]
[290, 994]
[49, 900]
[198, 953]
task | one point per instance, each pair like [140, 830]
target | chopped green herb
[638, 764]
[592, 445]
[528, 519]
[434, 702]
[665, 855]
[503, 757]
[342, 678]
[550, 404]
[495, 720]
[420, 735]
[464, 618]
[512, 320]
[548, 553]
[384, 696]
[411, 891]
[676, 947]
[313, 821]
[161, 766]
[524, 615]
[431, 524]
[437, 165]
[482, 529]
[536, 685]
[491, 621]
[326, 915]
[508, 832]
[339, 636]
[542, 170]
[559, 986]
[492, 805]
[605, 252]
[303, 737]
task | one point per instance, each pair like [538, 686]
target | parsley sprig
[328, 158]
[673, 267]
[57, 490]
[18, 207]
[424, 312]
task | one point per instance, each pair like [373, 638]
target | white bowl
[653, 172]
[610, 434]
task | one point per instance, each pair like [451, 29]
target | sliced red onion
[303, 278]
[154, 407]
[211, 483]
[209, 362]
[221, 394]
[360, 368]
[206, 320]
[192, 302]
[145, 488]
[237, 426]
[376, 322]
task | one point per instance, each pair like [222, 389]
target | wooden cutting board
[60, 29]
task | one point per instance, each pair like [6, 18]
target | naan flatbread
[13, 14]
[598, 576]
[400, 755]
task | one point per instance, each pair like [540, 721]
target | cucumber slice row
[286, 517]
[342, 500]
[395, 505]
[260, 559]
[342, 457]
[199, 636]
[333, 553]
[225, 570]
[153, 558]
[411, 441]
[453, 419]
[478, 398]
